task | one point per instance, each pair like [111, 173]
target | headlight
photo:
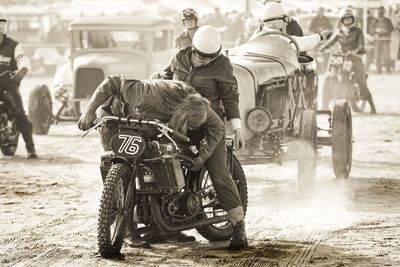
[259, 120]
[62, 92]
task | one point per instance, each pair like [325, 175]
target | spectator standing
[382, 29]
[189, 18]
[320, 22]
[369, 38]
[395, 38]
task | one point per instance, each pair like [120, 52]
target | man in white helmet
[14, 65]
[211, 74]
[274, 18]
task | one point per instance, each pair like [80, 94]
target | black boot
[31, 152]
[371, 104]
[239, 239]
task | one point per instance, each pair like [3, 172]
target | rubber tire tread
[36, 109]
[211, 233]
[106, 249]
[339, 139]
[307, 152]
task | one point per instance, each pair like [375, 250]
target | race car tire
[342, 133]
[224, 231]
[307, 152]
[112, 209]
[40, 109]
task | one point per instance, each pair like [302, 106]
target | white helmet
[272, 11]
[347, 13]
[207, 41]
[251, 23]
[3, 17]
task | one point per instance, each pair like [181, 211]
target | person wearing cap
[320, 22]
[274, 18]
[189, 18]
[14, 61]
[351, 39]
[204, 67]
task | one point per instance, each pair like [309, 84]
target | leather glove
[198, 164]
[325, 35]
[239, 139]
[18, 75]
[86, 120]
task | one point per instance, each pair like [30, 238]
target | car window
[100, 39]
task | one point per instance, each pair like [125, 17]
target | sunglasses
[203, 58]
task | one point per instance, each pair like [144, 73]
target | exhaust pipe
[155, 210]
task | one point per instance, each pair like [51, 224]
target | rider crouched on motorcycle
[14, 61]
[351, 39]
[187, 112]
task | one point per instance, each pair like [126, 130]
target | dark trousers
[360, 75]
[23, 124]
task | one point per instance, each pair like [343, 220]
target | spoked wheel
[10, 147]
[113, 207]
[221, 231]
[342, 146]
[307, 152]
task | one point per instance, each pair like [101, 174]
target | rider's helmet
[347, 17]
[207, 42]
[251, 23]
[272, 11]
[3, 21]
[189, 13]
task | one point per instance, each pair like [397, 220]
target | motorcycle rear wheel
[222, 231]
[11, 147]
[112, 216]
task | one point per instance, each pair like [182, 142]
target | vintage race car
[135, 46]
[278, 104]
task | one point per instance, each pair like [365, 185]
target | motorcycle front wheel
[112, 215]
[211, 208]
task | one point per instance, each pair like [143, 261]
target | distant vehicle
[32, 27]
[134, 46]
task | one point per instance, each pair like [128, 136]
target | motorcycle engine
[182, 207]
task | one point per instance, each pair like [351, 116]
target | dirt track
[48, 207]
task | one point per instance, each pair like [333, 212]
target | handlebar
[6, 73]
[162, 127]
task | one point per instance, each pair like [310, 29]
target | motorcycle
[9, 134]
[148, 182]
[340, 83]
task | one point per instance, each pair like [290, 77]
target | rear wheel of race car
[307, 152]
[40, 109]
[112, 216]
[221, 231]
[342, 132]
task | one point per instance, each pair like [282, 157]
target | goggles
[204, 56]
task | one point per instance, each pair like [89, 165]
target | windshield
[100, 39]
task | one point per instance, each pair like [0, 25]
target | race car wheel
[221, 231]
[342, 133]
[307, 152]
[40, 109]
[112, 216]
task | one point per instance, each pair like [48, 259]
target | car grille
[275, 100]
[87, 80]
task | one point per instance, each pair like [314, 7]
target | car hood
[129, 64]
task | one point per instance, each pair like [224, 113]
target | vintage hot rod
[278, 90]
